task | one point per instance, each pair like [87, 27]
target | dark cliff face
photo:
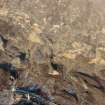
[72, 32]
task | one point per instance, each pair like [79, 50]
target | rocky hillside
[58, 44]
